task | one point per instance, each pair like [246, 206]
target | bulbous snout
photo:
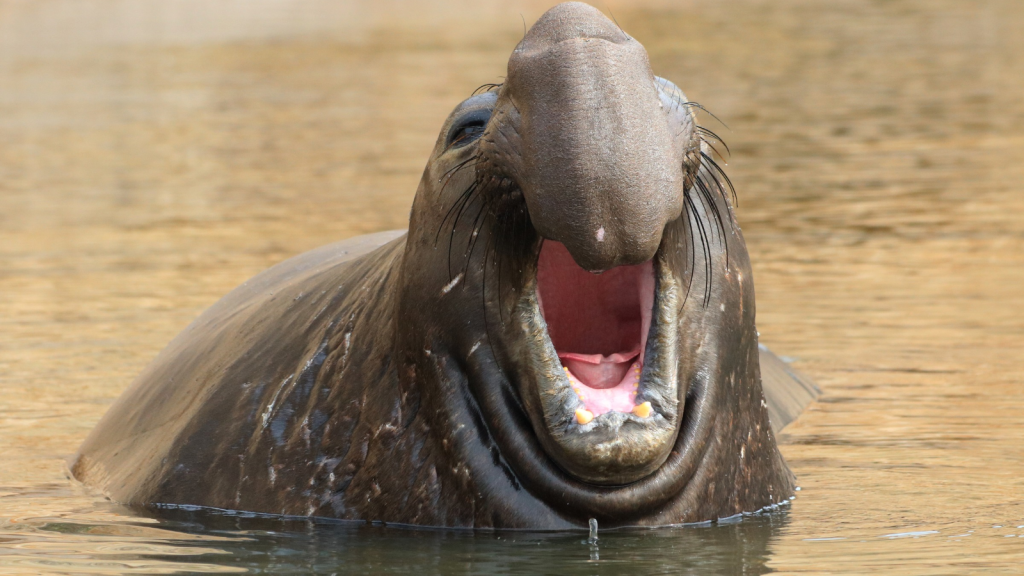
[600, 169]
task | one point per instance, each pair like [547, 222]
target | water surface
[155, 155]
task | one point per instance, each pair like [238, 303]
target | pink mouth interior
[598, 324]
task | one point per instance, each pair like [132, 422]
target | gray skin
[409, 378]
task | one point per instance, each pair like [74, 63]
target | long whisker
[702, 187]
[693, 249]
[715, 171]
[708, 112]
[455, 206]
[499, 261]
[455, 223]
[712, 146]
[710, 134]
[483, 286]
[709, 208]
[475, 232]
[485, 88]
[705, 249]
[454, 169]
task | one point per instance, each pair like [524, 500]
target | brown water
[155, 155]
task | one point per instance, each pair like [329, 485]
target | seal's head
[596, 343]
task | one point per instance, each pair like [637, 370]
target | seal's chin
[597, 369]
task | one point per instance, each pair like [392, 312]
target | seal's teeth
[584, 416]
[641, 410]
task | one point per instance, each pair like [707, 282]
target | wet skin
[565, 332]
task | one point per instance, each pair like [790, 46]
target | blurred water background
[153, 155]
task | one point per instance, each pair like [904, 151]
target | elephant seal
[566, 332]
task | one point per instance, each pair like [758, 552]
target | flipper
[786, 391]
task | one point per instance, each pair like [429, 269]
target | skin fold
[409, 377]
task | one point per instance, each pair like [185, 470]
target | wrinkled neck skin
[585, 149]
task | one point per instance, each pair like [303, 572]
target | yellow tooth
[641, 410]
[584, 416]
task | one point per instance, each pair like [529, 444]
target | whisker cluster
[708, 181]
[496, 209]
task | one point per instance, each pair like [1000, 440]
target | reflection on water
[153, 156]
[100, 539]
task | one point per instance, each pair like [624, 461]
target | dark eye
[468, 128]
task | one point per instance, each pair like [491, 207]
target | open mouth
[598, 365]
[598, 324]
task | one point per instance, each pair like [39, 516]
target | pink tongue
[604, 383]
[598, 371]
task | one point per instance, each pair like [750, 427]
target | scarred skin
[408, 378]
